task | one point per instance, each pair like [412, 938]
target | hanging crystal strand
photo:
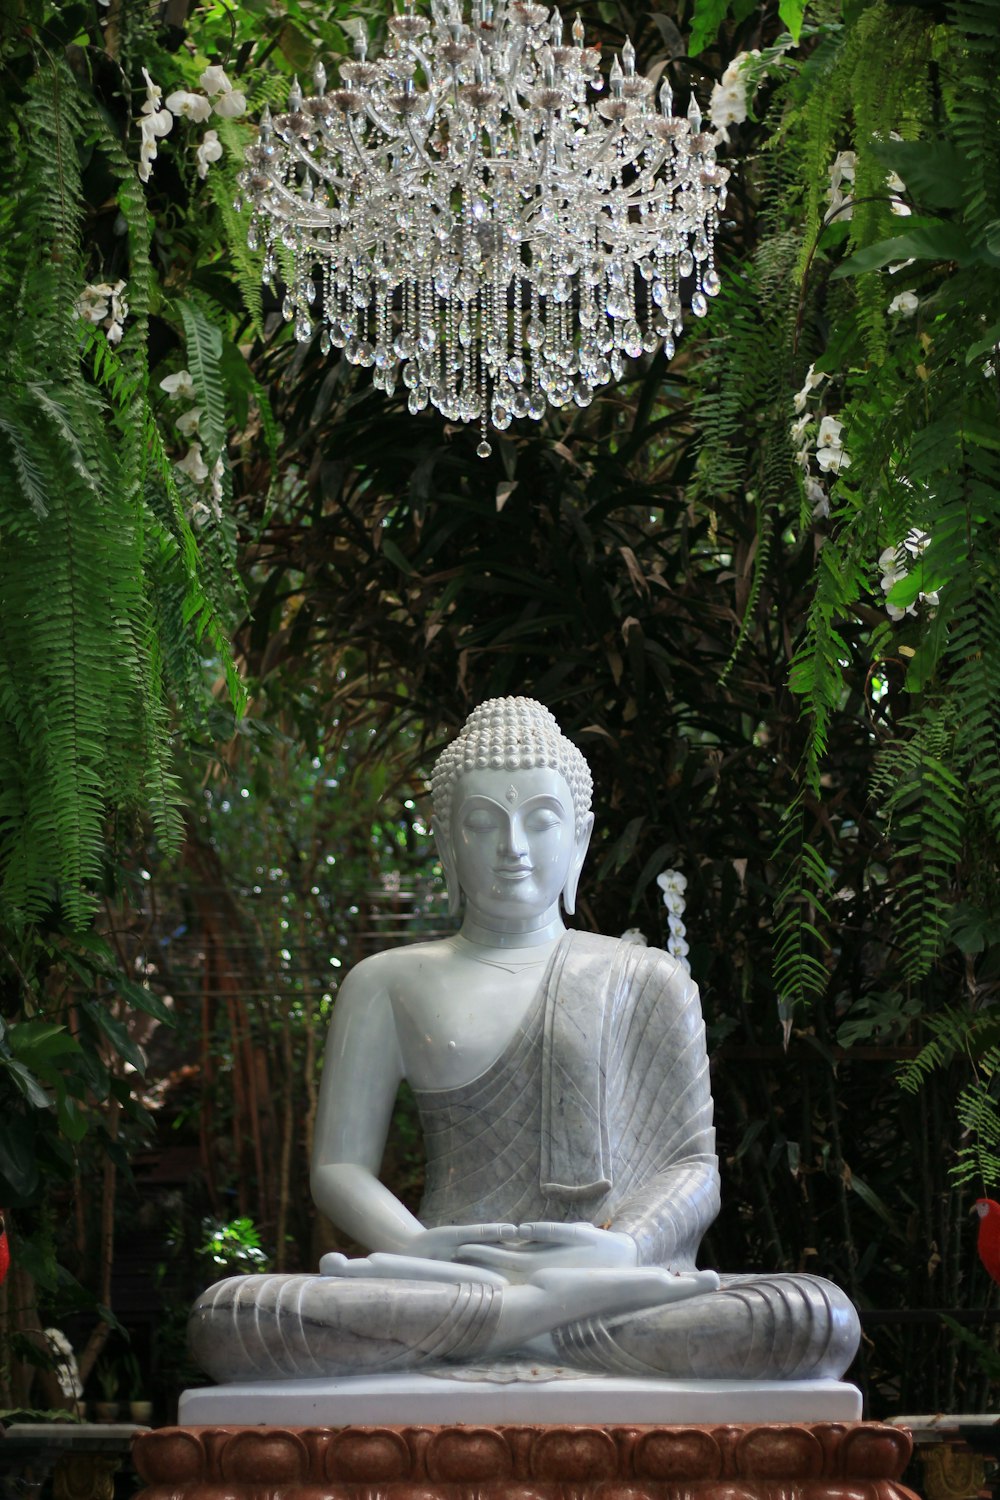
[479, 374]
[325, 343]
[451, 323]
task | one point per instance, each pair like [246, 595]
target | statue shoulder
[385, 972]
[651, 963]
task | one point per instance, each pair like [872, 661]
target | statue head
[512, 764]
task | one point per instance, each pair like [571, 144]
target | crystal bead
[710, 283]
[287, 310]
[516, 371]
[484, 450]
[303, 328]
[685, 263]
[501, 418]
[699, 304]
[534, 333]
[325, 343]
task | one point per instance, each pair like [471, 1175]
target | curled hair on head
[510, 734]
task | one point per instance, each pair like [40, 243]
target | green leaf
[27, 1083]
[39, 1042]
[875, 1203]
[791, 13]
[204, 358]
[930, 239]
[985, 345]
[73, 1122]
[143, 999]
[933, 171]
[18, 1159]
[707, 18]
[115, 1033]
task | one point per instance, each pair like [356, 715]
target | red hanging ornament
[4, 1250]
[988, 1243]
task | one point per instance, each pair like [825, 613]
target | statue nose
[515, 843]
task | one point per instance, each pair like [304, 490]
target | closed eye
[480, 822]
[541, 819]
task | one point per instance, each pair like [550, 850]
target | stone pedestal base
[506, 1394]
[819, 1461]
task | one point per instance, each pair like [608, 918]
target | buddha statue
[562, 1085]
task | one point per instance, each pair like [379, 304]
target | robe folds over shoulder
[599, 1109]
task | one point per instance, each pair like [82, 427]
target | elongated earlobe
[573, 874]
[447, 857]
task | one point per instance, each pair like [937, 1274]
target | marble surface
[562, 1084]
[422, 1398]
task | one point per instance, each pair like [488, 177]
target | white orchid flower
[92, 303]
[905, 303]
[187, 422]
[189, 106]
[818, 499]
[829, 433]
[179, 386]
[209, 150]
[230, 106]
[832, 460]
[193, 465]
[214, 81]
[159, 123]
[916, 541]
[153, 95]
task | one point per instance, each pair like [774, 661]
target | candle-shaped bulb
[319, 78]
[628, 58]
[265, 124]
[694, 114]
[617, 78]
[578, 30]
[295, 96]
[666, 99]
[556, 29]
[361, 42]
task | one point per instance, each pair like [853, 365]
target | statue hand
[614, 1291]
[543, 1246]
[449, 1241]
[384, 1266]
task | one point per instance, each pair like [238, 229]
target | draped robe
[598, 1109]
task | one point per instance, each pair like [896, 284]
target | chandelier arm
[364, 157]
[299, 212]
[428, 161]
[315, 164]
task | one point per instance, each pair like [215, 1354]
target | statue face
[514, 841]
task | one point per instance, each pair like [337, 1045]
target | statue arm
[362, 1070]
[668, 1215]
[669, 1191]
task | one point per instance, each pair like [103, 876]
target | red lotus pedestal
[773, 1461]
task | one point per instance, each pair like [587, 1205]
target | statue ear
[446, 855]
[579, 855]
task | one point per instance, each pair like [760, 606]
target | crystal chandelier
[458, 214]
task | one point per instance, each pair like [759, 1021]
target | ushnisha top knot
[510, 734]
